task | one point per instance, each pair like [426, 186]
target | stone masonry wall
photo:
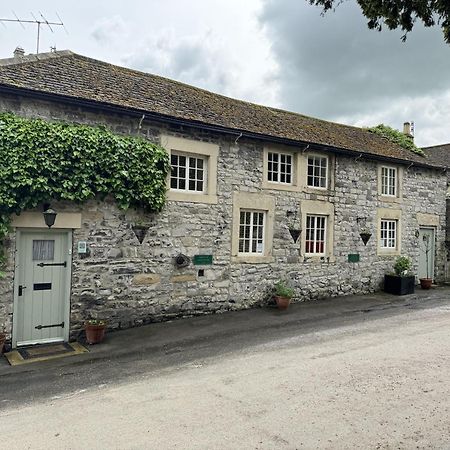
[129, 283]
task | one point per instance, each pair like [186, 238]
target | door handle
[21, 288]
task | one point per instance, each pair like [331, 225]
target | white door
[42, 287]
[426, 253]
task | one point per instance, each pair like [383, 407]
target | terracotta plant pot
[282, 302]
[95, 333]
[425, 283]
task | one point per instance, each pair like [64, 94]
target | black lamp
[49, 217]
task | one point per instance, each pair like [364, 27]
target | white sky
[275, 52]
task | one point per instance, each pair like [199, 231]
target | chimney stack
[408, 129]
[19, 52]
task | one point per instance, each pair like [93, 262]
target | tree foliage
[397, 137]
[401, 14]
[43, 161]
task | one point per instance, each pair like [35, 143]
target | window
[252, 229]
[390, 184]
[188, 173]
[315, 243]
[251, 232]
[279, 168]
[317, 171]
[43, 250]
[389, 231]
[317, 237]
[193, 175]
[388, 234]
[389, 181]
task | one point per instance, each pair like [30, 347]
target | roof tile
[66, 73]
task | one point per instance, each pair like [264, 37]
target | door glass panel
[43, 250]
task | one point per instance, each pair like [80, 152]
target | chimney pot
[407, 129]
[19, 52]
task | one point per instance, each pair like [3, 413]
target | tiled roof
[439, 154]
[66, 73]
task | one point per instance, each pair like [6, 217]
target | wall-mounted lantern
[49, 217]
[364, 232]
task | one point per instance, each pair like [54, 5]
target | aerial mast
[38, 22]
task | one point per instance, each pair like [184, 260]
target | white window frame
[389, 234]
[327, 168]
[389, 180]
[259, 203]
[260, 246]
[293, 185]
[318, 208]
[187, 179]
[279, 173]
[315, 229]
[389, 214]
[198, 149]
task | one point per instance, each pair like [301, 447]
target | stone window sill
[247, 259]
[389, 199]
[318, 259]
[193, 198]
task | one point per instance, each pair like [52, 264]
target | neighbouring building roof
[64, 73]
[439, 154]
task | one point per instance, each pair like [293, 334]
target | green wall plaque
[202, 260]
[353, 257]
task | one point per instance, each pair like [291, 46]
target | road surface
[378, 384]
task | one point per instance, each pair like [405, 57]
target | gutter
[107, 107]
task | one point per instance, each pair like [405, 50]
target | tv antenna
[38, 23]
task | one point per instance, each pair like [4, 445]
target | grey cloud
[187, 60]
[109, 29]
[203, 61]
[334, 67]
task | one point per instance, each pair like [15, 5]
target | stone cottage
[255, 195]
[440, 155]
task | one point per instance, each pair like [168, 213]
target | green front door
[426, 252]
[42, 287]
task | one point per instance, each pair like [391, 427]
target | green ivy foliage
[397, 137]
[41, 161]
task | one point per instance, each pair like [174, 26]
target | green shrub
[402, 265]
[397, 137]
[283, 290]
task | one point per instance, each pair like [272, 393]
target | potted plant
[95, 330]
[401, 282]
[283, 295]
[425, 283]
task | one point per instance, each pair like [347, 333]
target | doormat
[35, 353]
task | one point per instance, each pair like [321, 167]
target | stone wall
[130, 283]
[447, 235]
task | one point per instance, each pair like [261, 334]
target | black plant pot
[393, 284]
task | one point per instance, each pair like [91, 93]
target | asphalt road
[363, 378]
